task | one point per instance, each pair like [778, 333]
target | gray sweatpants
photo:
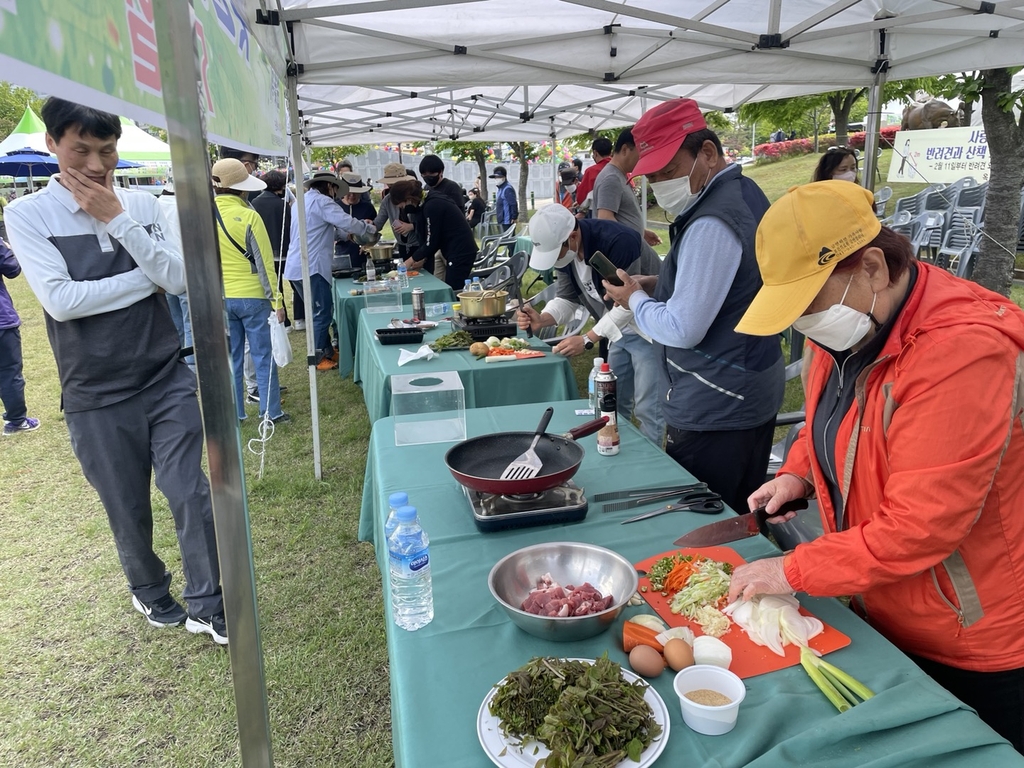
[120, 447]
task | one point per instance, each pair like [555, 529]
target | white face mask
[839, 327]
[845, 176]
[674, 195]
[571, 188]
[565, 260]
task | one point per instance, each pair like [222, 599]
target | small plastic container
[383, 296]
[428, 408]
[711, 721]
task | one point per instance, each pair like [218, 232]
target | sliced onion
[650, 621]
[676, 633]
[711, 650]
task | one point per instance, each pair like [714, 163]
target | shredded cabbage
[700, 598]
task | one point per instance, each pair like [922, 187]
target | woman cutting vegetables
[913, 445]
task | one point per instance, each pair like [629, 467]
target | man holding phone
[568, 244]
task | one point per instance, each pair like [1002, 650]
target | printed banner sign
[940, 155]
[103, 53]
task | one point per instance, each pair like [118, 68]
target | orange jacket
[931, 464]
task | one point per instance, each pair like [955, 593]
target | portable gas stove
[493, 512]
[482, 328]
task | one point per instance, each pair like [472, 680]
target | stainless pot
[380, 251]
[483, 303]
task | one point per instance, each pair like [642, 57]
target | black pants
[998, 697]
[733, 463]
[12, 383]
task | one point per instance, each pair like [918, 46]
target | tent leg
[223, 442]
[873, 123]
[307, 289]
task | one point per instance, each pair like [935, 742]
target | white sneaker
[299, 325]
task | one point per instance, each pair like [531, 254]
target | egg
[646, 661]
[678, 654]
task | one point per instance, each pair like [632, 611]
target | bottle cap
[399, 499]
[605, 368]
[598, 362]
[405, 514]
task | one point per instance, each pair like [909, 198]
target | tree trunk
[842, 102]
[968, 110]
[481, 163]
[994, 268]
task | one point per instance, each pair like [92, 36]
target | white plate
[488, 728]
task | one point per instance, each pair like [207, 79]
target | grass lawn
[86, 682]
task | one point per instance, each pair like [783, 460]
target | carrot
[680, 574]
[633, 635]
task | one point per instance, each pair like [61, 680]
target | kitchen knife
[735, 528]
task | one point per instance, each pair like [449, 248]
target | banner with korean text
[103, 53]
[940, 156]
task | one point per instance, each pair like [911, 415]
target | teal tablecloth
[441, 673]
[486, 384]
[347, 308]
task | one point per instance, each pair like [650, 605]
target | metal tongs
[639, 497]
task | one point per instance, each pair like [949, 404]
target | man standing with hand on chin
[724, 388]
[98, 261]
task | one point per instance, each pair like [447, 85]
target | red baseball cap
[660, 131]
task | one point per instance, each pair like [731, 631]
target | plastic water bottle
[403, 275]
[412, 600]
[477, 285]
[396, 501]
[371, 271]
[468, 287]
[591, 386]
[441, 309]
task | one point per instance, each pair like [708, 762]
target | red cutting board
[748, 658]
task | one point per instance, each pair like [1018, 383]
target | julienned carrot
[681, 573]
[634, 634]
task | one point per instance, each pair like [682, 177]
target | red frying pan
[479, 462]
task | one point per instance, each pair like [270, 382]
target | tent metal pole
[194, 187]
[307, 287]
[871, 140]
[643, 179]
[874, 117]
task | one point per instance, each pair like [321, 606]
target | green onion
[840, 688]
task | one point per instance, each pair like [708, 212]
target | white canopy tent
[527, 69]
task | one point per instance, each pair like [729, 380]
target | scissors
[704, 502]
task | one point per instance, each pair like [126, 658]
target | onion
[676, 633]
[650, 621]
[774, 621]
[711, 650]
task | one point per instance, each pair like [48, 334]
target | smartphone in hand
[603, 265]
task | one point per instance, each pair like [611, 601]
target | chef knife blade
[735, 528]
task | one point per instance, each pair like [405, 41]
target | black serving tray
[399, 335]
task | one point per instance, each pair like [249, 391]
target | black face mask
[431, 180]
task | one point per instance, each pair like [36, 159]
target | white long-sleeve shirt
[110, 331]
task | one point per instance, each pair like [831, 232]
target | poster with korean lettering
[103, 53]
[939, 156]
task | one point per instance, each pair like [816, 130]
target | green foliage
[718, 122]
[333, 155]
[464, 151]
[13, 101]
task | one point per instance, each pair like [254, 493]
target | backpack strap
[241, 250]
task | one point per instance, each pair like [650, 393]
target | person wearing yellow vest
[250, 290]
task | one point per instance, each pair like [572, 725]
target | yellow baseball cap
[800, 240]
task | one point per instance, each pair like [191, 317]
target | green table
[347, 308]
[486, 384]
[441, 673]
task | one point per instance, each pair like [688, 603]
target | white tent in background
[140, 147]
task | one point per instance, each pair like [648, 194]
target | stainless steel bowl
[515, 575]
